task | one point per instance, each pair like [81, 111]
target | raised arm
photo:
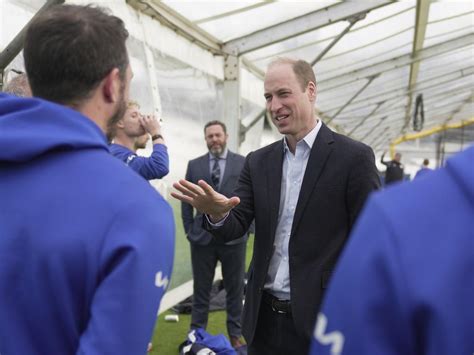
[156, 165]
[381, 159]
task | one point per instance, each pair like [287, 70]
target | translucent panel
[381, 15]
[449, 62]
[461, 58]
[397, 28]
[445, 36]
[12, 19]
[319, 38]
[443, 9]
[195, 10]
[344, 93]
[238, 25]
[381, 89]
[190, 97]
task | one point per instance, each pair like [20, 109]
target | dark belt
[277, 305]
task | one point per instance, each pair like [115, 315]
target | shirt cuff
[218, 223]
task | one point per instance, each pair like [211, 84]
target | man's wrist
[154, 137]
[217, 218]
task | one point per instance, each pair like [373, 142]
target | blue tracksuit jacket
[86, 245]
[405, 282]
[155, 166]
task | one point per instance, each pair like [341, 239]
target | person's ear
[111, 86]
[311, 88]
[120, 124]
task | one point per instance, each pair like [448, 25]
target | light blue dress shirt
[294, 167]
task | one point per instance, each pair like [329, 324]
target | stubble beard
[117, 116]
[217, 150]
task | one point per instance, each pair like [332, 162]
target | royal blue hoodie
[86, 245]
[405, 281]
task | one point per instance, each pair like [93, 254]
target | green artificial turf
[168, 335]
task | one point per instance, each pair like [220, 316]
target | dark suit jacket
[338, 178]
[198, 169]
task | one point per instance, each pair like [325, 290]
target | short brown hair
[70, 49]
[303, 70]
[213, 123]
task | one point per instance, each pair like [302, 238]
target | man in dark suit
[305, 193]
[221, 169]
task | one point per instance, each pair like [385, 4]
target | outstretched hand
[204, 198]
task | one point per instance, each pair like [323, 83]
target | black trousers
[204, 260]
[276, 335]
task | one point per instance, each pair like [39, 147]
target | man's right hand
[205, 199]
[150, 124]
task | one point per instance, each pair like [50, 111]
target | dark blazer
[338, 178]
[198, 169]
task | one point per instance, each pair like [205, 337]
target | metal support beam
[429, 132]
[459, 108]
[379, 139]
[365, 118]
[245, 128]
[232, 101]
[178, 23]
[379, 136]
[300, 25]
[189, 30]
[16, 45]
[422, 12]
[396, 92]
[396, 62]
[396, 110]
[352, 21]
[370, 79]
[259, 73]
[373, 128]
[440, 100]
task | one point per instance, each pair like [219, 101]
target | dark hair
[213, 123]
[426, 162]
[70, 49]
[303, 70]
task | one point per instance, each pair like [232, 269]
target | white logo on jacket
[161, 281]
[130, 158]
[335, 338]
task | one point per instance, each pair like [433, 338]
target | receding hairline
[302, 70]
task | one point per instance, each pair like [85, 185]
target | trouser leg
[203, 260]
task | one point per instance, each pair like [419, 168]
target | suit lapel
[228, 167]
[274, 166]
[204, 165]
[318, 157]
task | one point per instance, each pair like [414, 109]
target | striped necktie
[216, 173]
